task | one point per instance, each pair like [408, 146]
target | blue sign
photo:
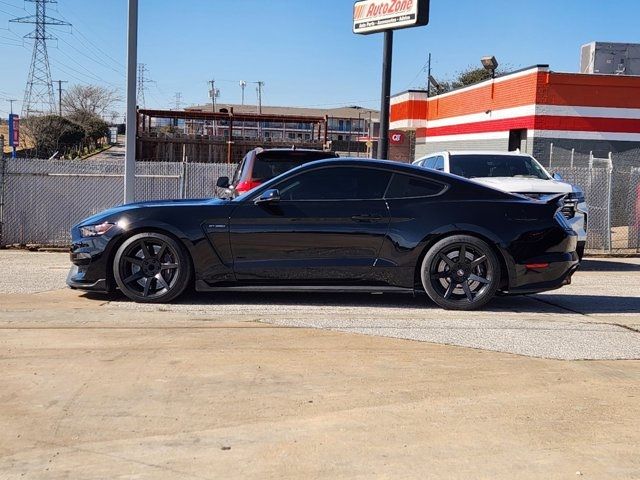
[14, 130]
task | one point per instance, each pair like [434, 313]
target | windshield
[482, 165]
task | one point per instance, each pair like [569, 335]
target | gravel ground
[32, 272]
[594, 318]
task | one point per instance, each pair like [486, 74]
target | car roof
[389, 164]
[479, 152]
[284, 150]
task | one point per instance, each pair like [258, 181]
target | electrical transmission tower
[38, 94]
[142, 83]
[178, 100]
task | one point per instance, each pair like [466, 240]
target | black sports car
[333, 225]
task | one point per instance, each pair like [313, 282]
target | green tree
[50, 134]
[470, 76]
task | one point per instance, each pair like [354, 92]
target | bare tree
[89, 101]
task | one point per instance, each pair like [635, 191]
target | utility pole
[259, 91]
[178, 100]
[38, 94]
[383, 140]
[213, 93]
[243, 85]
[60, 82]
[11, 105]
[429, 76]
[132, 113]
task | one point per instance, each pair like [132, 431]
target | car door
[328, 226]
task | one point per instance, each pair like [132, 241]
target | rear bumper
[534, 277]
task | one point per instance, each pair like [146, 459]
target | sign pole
[132, 114]
[387, 55]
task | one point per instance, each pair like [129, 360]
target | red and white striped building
[529, 109]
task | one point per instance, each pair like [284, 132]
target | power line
[39, 95]
[93, 59]
[75, 29]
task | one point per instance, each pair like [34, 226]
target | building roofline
[541, 66]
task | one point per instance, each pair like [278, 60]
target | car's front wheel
[460, 272]
[152, 267]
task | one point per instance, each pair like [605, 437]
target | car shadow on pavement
[591, 304]
[608, 266]
[557, 304]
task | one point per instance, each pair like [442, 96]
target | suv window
[408, 186]
[238, 173]
[429, 162]
[270, 164]
[488, 165]
[336, 183]
[439, 163]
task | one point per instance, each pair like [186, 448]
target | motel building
[531, 110]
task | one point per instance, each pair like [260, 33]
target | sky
[304, 50]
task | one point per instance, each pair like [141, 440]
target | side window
[408, 186]
[429, 162]
[336, 183]
[237, 173]
[439, 163]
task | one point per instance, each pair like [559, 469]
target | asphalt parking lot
[545, 386]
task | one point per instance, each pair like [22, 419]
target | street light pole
[383, 140]
[132, 114]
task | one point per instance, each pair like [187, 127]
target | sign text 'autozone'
[374, 15]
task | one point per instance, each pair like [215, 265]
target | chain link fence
[41, 199]
[610, 181]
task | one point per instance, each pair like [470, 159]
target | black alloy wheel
[460, 272]
[152, 267]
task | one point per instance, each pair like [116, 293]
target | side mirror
[223, 182]
[268, 196]
[557, 176]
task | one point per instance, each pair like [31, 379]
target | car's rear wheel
[152, 268]
[460, 272]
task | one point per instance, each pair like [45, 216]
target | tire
[460, 272]
[152, 268]
[580, 250]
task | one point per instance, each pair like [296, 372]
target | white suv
[514, 172]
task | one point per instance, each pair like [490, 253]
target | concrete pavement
[96, 388]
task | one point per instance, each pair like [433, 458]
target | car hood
[106, 215]
[524, 185]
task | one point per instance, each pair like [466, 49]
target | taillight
[247, 185]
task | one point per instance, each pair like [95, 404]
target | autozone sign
[370, 16]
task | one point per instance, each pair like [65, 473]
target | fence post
[2, 187]
[183, 179]
[573, 151]
[609, 197]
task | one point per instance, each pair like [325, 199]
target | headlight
[563, 221]
[576, 196]
[96, 230]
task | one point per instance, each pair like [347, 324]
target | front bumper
[76, 280]
[579, 221]
[90, 259]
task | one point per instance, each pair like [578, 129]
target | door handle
[366, 218]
